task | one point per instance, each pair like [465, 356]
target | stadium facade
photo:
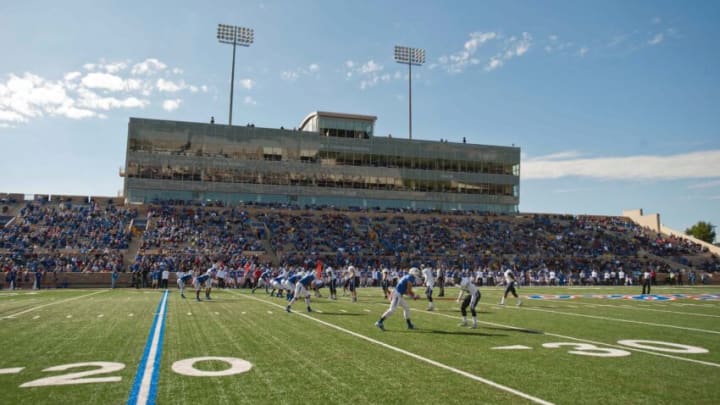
[330, 159]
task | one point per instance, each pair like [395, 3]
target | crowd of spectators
[544, 249]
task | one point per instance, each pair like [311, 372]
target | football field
[563, 345]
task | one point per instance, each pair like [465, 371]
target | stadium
[245, 201]
[326, 263]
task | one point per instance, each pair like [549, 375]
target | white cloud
[656, 20]
[171, 105]
[289, 76]
[493, 64]
[104, 81]
[370, 73]
[247, 83]
[148, 67]
[78, 95]
[658, 38]
[115, 67]
[169, 86]
[583, 51]
[92, 101]
[370, 67]
[311, 70]
[11, 116]
[503, 51]
[457, 62]
[72, 76]
[249, 100]
[75, 113]
[642, 167]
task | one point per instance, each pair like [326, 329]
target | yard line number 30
[187, 367]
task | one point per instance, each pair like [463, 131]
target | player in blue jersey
[183, 279]
[471, 300]
[289, 284]
[199, 282]
[277, 286]
[302, 287]
[264, 280]
[404, 287]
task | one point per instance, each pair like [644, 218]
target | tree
[704, 231]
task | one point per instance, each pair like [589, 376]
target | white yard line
[605, 318]
[627, 306]
[413, 355]
[706, 363]
[52, 303]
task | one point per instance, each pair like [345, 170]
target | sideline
[11, 316]
[407, 353]
[145, 385]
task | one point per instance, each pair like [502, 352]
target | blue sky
[615, 104]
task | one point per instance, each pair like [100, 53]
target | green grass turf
[336, 355]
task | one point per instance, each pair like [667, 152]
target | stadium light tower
[409, 56]
[233, 35]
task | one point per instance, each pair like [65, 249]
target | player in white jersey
[429, 285]
[510, 280]
[353, 282]
[385, 283]
[471, 299]
[211, 272]
[332, 282]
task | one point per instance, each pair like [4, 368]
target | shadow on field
[448, 332]
[339, 313]
[531, 331]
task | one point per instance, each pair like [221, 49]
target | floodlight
[409, 56]
[234, 35]
[413, 56]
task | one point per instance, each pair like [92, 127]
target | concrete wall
[651, 221]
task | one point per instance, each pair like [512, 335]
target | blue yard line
[145, 385]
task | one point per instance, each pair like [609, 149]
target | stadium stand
[77, 241]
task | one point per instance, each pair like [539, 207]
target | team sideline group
[294, 285]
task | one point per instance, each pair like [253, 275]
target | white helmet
[329, 270]
[415, 272]
[385, 270]
[351, 268]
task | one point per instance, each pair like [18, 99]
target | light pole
[409, 56]
[233, 35]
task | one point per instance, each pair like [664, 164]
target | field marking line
[144, 387]
[706, 363]
[661, 325]
[628, 306]
[413, 355]
[51, 303]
